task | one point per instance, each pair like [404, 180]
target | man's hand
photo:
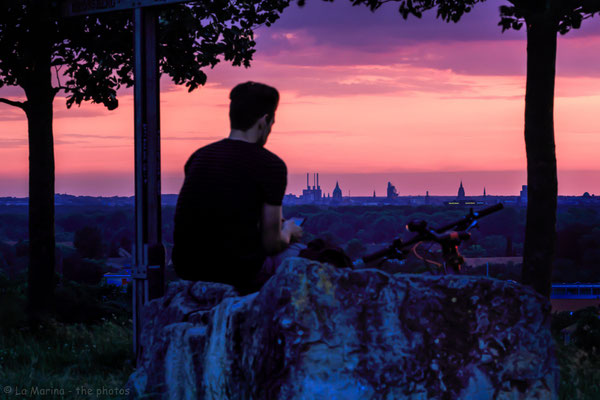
[277, 234]
[291, 230]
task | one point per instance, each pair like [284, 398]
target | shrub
[83, 270]
[90, 303]
[12, 302]
[88, 242]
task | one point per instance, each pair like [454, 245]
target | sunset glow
[422, 102]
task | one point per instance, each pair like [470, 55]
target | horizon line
[287, 194]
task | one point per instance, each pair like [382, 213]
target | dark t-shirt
[217, 234]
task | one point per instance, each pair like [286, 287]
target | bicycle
[448, 241]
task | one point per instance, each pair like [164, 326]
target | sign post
[148, 272]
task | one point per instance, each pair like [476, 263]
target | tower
[318, 193]
[337, 192]
[523, 195]
[461, 191]
[391, 191]
[484, 192]
[312, 194]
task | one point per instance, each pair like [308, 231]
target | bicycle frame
[449, 241]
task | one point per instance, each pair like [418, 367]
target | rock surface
[316, 332]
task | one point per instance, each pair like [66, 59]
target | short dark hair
[249, 102]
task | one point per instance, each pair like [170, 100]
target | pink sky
[365, 98]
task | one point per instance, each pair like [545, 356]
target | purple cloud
[10, 143]
[333, 34]
[10, 113]
[342, 24]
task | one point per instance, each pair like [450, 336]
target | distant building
[484, 195]
[291, 199]
[463, 201]
[574, 296]
[391, 191]
[118, 279]
[315, 194]
[461, 191]
[523, 195]
[588, 198]
[337, 192]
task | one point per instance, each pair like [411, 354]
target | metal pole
[149, 262]
[148, 252]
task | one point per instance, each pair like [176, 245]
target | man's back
[217, 233]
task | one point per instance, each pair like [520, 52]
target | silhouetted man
[228, 220]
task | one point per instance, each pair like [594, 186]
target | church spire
[461, 191]
[337, 192]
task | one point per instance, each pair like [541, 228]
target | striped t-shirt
[217, 233]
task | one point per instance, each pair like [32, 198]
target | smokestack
[317, 180]
[307, 183]
[314, 181]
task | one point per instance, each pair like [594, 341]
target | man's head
[253, 105]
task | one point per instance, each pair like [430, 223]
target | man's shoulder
[200, 152]
[271, 157]
[210, 147]
[257, 155]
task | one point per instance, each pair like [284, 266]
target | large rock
[316, 332]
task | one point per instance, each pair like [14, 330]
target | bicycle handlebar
[489, 210]
[468, 219]
[433, 234]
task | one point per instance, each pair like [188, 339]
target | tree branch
[590, 6]
[19, 104]
[582, 6]
[57, 76]
[517, 3]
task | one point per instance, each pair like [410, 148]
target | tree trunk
[540, 230]
[40, 95]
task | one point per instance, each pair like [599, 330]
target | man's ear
[262, 122]
[264, 119]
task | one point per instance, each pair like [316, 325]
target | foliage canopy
[95, 53]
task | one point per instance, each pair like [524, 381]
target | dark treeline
[87, 236]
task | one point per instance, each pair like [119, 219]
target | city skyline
[474, 183]
[430, 98]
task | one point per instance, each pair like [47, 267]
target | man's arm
[276, 236]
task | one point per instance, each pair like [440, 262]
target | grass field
[69, 361]
[83, 350]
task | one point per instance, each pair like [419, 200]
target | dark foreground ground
[83, 349]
